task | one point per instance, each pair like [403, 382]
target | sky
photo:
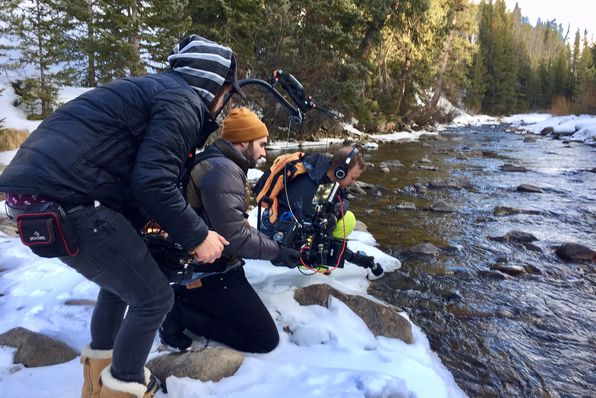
[578, 13]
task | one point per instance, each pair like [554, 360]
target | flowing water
[527, 335]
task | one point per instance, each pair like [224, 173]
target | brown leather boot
[94, 361]
[114, 388]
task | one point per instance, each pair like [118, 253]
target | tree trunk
[136, 67]
[91, 80]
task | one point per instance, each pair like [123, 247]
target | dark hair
[341, 156]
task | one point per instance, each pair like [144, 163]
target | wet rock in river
[424, 249]
[508, 211]
[576, 252]
[450, 182]
[529, 188]
[493, 274]
[515, 236]
[428, 168]
[390, 164]
[530, 139]
[420, 188]
[441, 207]
[509, 269]
[513, 168]
[406, 206]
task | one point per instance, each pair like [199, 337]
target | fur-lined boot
[94, 361]
[114, 388]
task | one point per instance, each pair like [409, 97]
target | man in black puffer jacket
[113, 158]
[225, 307]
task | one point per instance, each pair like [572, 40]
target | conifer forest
[385, 63]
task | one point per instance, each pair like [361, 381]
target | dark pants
[226, 309]
[113, 255]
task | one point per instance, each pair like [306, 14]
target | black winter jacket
[302, 189]
[217, 192]
[126, 144]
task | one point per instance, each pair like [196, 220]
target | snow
[330, 354]
[582, 127]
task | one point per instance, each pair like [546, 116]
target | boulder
[576, 252]
[382, 319]
[209, 364]
[35, 349]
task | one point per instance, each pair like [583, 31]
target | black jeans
[226, 309]
[113, 255]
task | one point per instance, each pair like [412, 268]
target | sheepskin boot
[94, 361]
[114, 388]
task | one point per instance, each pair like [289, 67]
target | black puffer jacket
[126, 143]
[217, 192]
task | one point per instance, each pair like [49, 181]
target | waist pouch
[45, 228]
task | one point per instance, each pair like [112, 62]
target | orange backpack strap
[293, 166]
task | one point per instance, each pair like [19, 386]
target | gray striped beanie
[204, 64]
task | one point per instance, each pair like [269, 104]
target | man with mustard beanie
[224, 306]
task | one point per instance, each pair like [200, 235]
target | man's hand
[210, 249]
[287, 257]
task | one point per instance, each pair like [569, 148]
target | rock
[425, 160]
[576, 252]
[493, 274]
[406, 206]
[515, 236]
[509, 269]
[35, 350]
[382, 319]
[441, 207]
[428, 168]
[529, 188]
[546, 131]
[210, 364]
[501, 259]
[530, 139]
[360, 226]
[84, 302]
[424, 249]
[513, 168]
[508, 211]
[391, 164]
[385, 169]
[450, 182]
[420, 188]
[357, 188]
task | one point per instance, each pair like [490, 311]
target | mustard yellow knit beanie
[243, 125]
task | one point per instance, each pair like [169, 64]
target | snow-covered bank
[331, 352]
[577, 128]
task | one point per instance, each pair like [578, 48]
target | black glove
[287, 257]
[361, 259]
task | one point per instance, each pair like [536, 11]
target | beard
[249, 154]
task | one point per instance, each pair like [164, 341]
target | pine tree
[38, 31]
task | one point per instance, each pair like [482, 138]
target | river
[529, 335]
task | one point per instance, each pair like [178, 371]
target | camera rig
[319, 251]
